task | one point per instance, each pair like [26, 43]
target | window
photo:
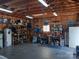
[46, 28]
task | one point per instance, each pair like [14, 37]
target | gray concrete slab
[29, 51]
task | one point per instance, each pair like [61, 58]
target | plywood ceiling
[29, 7]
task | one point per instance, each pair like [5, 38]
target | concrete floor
[29, 51]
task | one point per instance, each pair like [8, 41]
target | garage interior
[39, 29]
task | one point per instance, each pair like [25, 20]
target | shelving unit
[20, 36]
[57, 30]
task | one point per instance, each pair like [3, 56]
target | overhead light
[30, 17]
[44, 3]
[55, 14]
[37, 15]
[5, 10]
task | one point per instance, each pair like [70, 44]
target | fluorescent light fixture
[5, 10]
[44, 3]
[55, 14]
[37, 15]
[30, 17]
